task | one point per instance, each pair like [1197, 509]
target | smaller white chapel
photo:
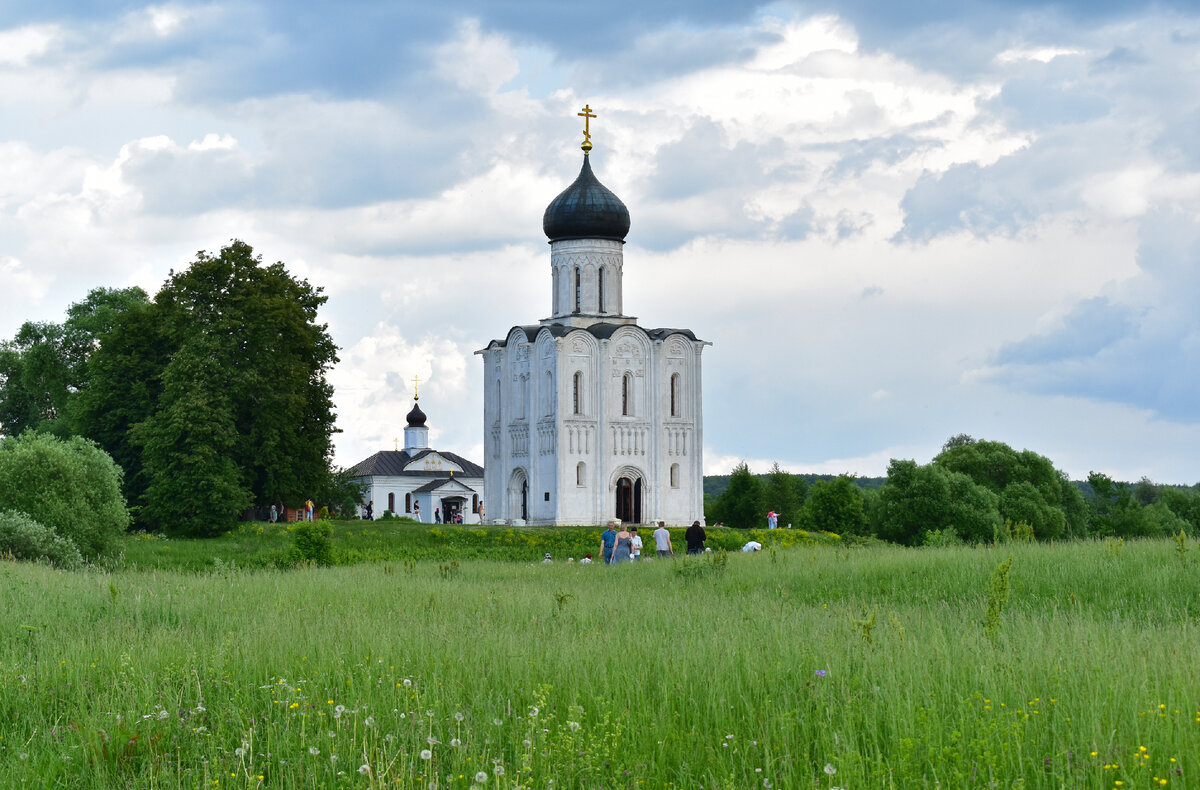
[420, 482]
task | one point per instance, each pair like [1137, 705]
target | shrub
[940, 538]
[69, 485]
[26, 539]
[312, 541]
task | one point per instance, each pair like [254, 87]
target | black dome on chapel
[586, 210]
[416, 417]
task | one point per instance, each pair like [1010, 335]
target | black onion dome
[586, 210]
[416, 417]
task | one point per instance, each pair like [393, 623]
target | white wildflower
[829, 769]
[426, 754]
[481, 777]
[364, 769]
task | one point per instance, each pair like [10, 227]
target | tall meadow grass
[807, 667]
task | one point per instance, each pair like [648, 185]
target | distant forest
[974, 491]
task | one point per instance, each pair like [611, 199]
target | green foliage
[835, 506]
[188, 446]
[45, 367]
[26, 539]
[741, 505]
[312, 541]
[940, 538]
[1029, 487]
[920, 499]
[70, 486]
[249, 669]
[998, 594]
[229, 348]
[784, 493]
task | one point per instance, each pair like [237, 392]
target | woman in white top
[635, 545]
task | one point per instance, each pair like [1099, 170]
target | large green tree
[917, 499]
[835, 506]
[784, 493]
[44, 368]
[230, 349]
[741, 504]
[1039, 491]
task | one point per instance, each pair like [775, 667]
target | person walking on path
[417, 511]
[662, 541]
[635, 545]
[308, 509]
[624, 548]
[608, 540]
[695, 538]
[772, 520]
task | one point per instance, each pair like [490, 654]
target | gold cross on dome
[416, 392]
[587, 116]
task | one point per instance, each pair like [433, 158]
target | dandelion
[459, 716]
[364, 769]
[481, 777]
[432, 741]
[574, 725]
[333, 758]
[370, 722]
[455, 742]
[338, 711]
[498, 770]
[426, 754]
[407, 683]
[314, 751]
[238, 752]
[498, 722]
[162, 714]
[829, 769]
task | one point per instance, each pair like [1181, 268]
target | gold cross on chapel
[587, 116]
[416, 391]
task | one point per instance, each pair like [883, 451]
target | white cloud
[21, 45]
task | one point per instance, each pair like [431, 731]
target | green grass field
[803, 667]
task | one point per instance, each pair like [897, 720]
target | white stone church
[588, 416]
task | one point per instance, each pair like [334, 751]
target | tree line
[974, 490]
[211, 397]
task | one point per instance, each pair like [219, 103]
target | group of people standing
[626, 545]
[304, 513]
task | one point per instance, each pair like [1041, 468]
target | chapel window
[626, 395]
[674, 475]
[577, 391]
[392, 502]
[578, 289]
[600, 292]
[674, 394]
[580, 474]
[407, 503]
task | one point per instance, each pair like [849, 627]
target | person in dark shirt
[608, 541]
[695, 538]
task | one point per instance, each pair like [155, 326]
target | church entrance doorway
[629, 500]
[452, 508]
[519, 496]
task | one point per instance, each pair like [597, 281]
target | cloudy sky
[895, 222]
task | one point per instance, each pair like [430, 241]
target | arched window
[578, 289]
[626, 395]
[392, 502]
[674, 475]
[674, 394]
[407, 503]
[580, 474]
[577, 391]
[549, 393]
[600, 291]
[474, 503]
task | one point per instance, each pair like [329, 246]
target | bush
[941, 538]
[26, 539]
[312, 541]
[71, 486]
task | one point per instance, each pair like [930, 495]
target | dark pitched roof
[601, 331]
[391, 463]
[434, 485]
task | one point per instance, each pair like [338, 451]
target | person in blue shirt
[608, 539]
